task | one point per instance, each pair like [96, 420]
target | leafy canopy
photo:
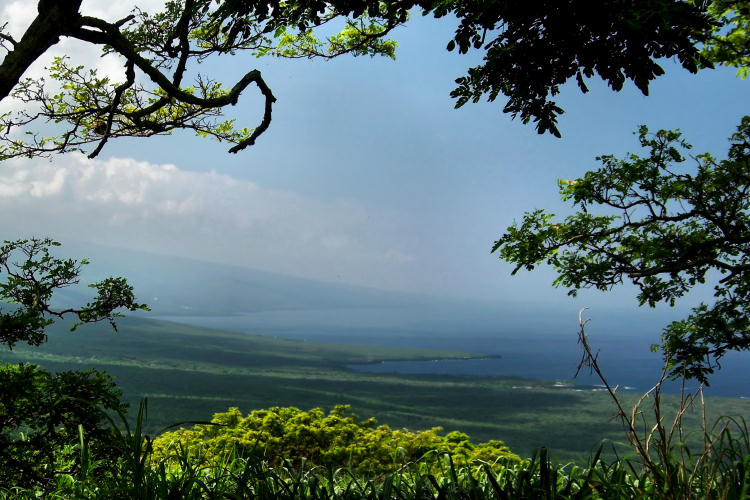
[42, 414]
[730, 44]
[160, 91]
[32, 275]
[530, 50]
[337, 439]
[534, 47]
[664, 226]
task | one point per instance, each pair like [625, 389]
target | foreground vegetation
[279, 435]
[145, 469]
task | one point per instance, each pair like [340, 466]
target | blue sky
[367, 174]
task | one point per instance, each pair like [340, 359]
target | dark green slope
[189, 373]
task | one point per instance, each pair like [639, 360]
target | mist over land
[539, 342]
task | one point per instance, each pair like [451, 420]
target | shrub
[337, 439]
[40, 415]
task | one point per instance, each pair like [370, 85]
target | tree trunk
[54, 18]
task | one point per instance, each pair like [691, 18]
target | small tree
[676, 226]
[32, 276]
[40, 412]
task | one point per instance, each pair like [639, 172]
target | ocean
[539, 348]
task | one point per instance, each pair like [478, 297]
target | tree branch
[130, 79]
[45, 30]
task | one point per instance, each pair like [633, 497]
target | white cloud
[47, 187]
[205, 215]
[18, 15]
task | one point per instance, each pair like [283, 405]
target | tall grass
[434, 476]
[661, 456]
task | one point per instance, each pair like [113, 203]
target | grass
[434, 476]
[190, 373]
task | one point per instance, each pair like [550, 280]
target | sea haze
[536, 341]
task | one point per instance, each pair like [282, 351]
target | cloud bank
[204, 215]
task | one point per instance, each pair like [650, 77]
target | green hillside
[190, 373]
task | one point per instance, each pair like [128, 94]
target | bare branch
[130, 79]
[270, 99]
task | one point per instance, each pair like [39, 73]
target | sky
[366, 176]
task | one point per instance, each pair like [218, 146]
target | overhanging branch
[109, 34]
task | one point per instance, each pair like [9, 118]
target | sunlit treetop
[334, 440]
[730, 45]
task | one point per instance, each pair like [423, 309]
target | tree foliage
[42, 413]
[530, 50]
[335, 440]
[730, 45]
[32, 276]
[159, 92]
[664, 226]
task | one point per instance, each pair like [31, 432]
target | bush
[335, 440]
[42, 415]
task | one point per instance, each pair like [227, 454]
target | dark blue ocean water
[541, 348]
